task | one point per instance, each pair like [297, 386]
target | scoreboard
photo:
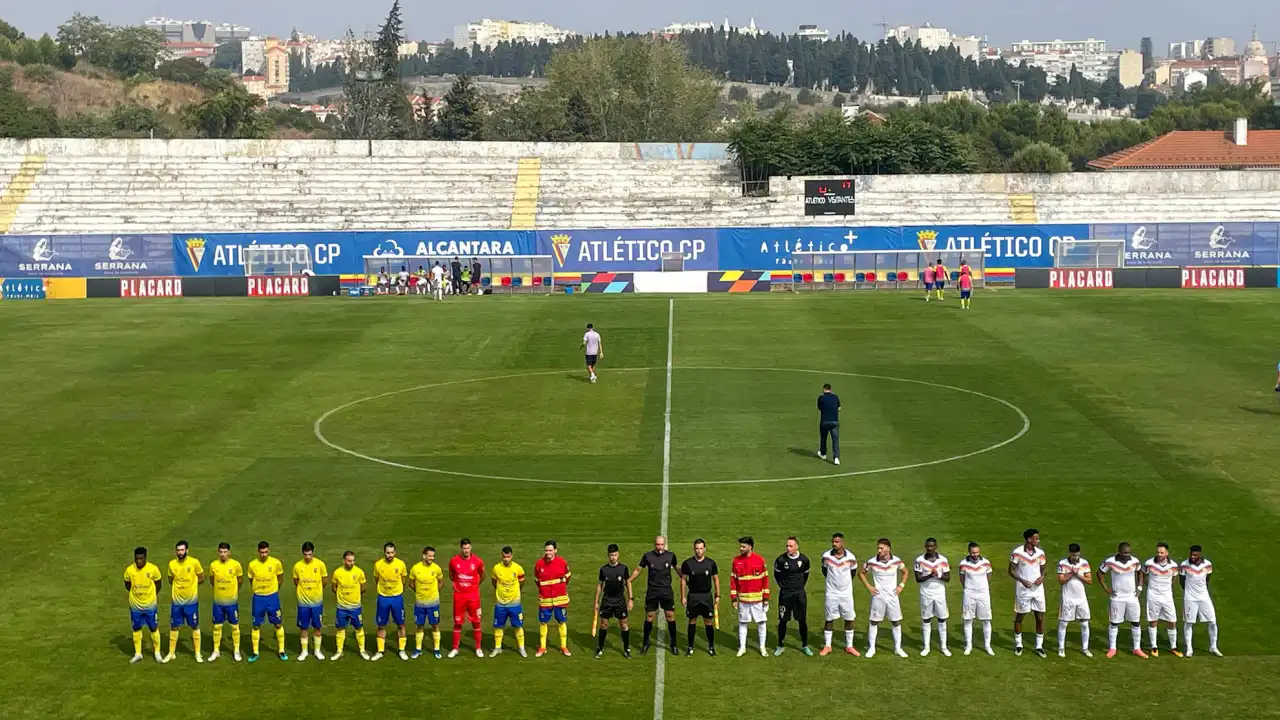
[828, 197]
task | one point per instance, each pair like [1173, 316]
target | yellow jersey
[265, 575]
[390, 577]
[184, 579]
[346, 585]
[426, 584]
[142, 585]
[225, 578]
[310, 577]
[507, 593]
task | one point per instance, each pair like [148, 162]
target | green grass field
[1151, 414]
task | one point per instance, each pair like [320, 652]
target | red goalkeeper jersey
[466, 574]
[749, 579]
[553, 581]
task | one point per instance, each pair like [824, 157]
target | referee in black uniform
[829, 424]
[700, 594]
[791, 572]
[658, 593]
[613, 600]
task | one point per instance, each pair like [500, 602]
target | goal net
[510, 274]
[1089, 254]
[880, 269]
[277, 260]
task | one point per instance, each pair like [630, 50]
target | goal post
[1089, 254]
[277, 260]
[500, 274]
[880, 269]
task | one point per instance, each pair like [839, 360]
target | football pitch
[1096, 418]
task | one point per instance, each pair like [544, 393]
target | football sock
[986, 634]
[280, 639]
[1186, 635]
[341, 639]
[173, 642]
[235, 637]
[1062, 634]
[648, 630]
[968, 633]
[457, 636]
[848, 638]
[497, 638]
[897, 637]
[255, 636]
[564, 635]
[1152, 636]
[400, 642]
[435, 640]
[542, 636]
[137, 642]
[927, 633]
[626, 639]
[872, 633]
[316, 641]
[419, 636]
[195, 640]
[942, 633]
[478, 635]
[673, 634]
[1017, 640]
[381, 643]
[600, 636]
[1213, 635]
[155, 640]
[1135, 633]
[762, 631]
[742, 636]
[693, 633]
[711, 637]
[217, 637]
[1084, 635]
[1039, 641]
[826, 638]
[360, 639]
[520, 637]
[1112, 631]
[1173, 638]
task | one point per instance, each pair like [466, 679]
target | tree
[462, 117]
[227, 56]
[18, 117]
[386, 49]
[84, 36]
[133, 50]
[1039, 157]
[738, 93]
[807, 97]
[9, 32]
[188, 71]
[839, 100]
[232, 113]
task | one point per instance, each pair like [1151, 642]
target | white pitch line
[659, 679]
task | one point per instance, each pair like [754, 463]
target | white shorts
[751, 613]
[933, 607]
[1028, 601]
[840, 607]
[885, 606]
[1071, 610]
[1161, 609]
[976, 607]
[1125, 609]
[1194, 611]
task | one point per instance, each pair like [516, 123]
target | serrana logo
[1220, 247]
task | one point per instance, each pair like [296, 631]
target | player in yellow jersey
[142, 582]
[426, 579]
[226, 576]
[185, 576]
[390, 572]
[348, 589]
[309, 575]
[265, 574]
[508, 581]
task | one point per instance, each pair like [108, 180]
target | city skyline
[1002, 21]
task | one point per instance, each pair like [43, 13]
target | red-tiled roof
[1197, 150]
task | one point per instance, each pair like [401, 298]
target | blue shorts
[390, 608]
[226, 613]
[544, 614]
[424, 615]
[349, 616]
[139, 618]
[938, 284]
[503, 614]
[928, 286]
[188, 615]
[964, 294]
[266, 607]
[309, 616]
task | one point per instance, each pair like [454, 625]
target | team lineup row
[884, 576]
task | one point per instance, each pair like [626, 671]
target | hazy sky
[1120, 23]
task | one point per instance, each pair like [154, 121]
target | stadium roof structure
[1197, 150]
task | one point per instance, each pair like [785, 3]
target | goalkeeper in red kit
[466, 570]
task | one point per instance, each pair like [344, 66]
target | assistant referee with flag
[829, 424]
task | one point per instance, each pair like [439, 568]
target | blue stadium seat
[828, 277]
[485, 281]
[860, 277]
[517, 281]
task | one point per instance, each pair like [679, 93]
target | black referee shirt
[791, 574]
[698, 574]
[614, 578]
[660, 565]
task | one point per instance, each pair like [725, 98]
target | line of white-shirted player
[885, 577]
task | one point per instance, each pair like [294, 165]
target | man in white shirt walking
[594, 347]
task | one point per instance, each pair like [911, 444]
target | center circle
[593, 458]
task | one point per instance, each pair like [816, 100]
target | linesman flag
[715, 613]
[595, 621]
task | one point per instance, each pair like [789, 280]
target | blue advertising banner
[85, 255]
[771, 248]
[444, 243]
[22, 289]
[1194, 244]
[628, 250]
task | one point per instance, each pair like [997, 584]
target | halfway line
[659, 680]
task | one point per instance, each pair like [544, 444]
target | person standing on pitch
[658, 591]
[1026, 567]
[829, 424]
[791, 572]
[749, 593]
[594, 348]
[933, 572]
[455, 276]
[700, 593]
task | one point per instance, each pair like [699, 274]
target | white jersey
[1160, 578]
[1027, 567]
[1124, 575]
[976, 575]
[1073, 590]
[884, 573]
[592, 341]
[403, 277]
[933, 587]
[839, 573]
[437, 274]
[1196, 583]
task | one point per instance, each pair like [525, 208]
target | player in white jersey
[933, 572]
[402, 281]
[1074, 574]
[594, 348]
[437, 281]
[889, 574]
[975, 579]
[1197, 605]
[1160, 571]
[1126, 585]
[839, 566]
[1026, 567]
